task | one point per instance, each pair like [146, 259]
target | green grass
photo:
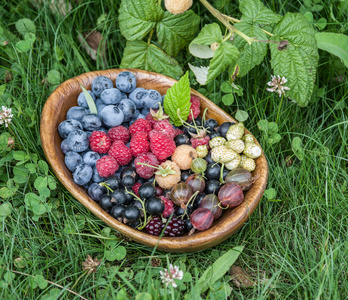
[294, 248]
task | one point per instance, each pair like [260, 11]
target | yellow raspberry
[167, 181]
[176, 7]
[183, 156]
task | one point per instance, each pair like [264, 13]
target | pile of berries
[147, 173]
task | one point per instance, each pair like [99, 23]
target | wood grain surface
[54, 112]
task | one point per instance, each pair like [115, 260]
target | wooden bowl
[54, 112]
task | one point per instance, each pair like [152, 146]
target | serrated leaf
[25, 25]
[136, 19]
[174, 32]
[334, 43]
[225, 55]
[90, 102]
[241, 115]
[201, 73]
[201, 51]
[177, 100]
[254, 11]
[140, 55]
[250, 55]
[219, 268]
[227, 99]
[209, 34]
[299, 60]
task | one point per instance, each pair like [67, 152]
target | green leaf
[273, 127]
[227, 99]
[143, 296]
[254, 11]
[270, 193]
[5, 210]
[219, 268]
[296, 144]
[225, 55]
[90, 102]
[140, 55]
[23, 46]
[226, 87]
[241, 115]
[53, 77]
[263, 125]
[299, 60]
[250, 55]
[209, 34]
[39, 209]
[174, 32]
[201, 51]
[334, 43]
[137, 19]
[274, 138]
[52, 184]
[40, 182]
[40, 281]
[321, 23]
[201, 73]
[6, 192]
[43, 166]
[9, 276]
[25, 25]
[31, 200]
[177, 100]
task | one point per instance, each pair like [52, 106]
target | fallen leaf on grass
[240, 278]
[90, 264]
[94, 43]
[155, 262]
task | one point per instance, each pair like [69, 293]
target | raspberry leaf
[140, 55]
[174, 32]
[136, 20]
[91, 105]
[177, 100]
[297, 61]
[254, 11]
[209, 34]
[225, 55]
[250, 55]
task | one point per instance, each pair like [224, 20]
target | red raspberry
[99, 142]
[165, 127]
[177, 131]
[136, 187]
[195, 107]
[168, 207]
[140, 125]
[119, 133]
[200, 141]
[106, 166]
[162, 146]
[139, 143]
[121, 153]
[146, 158]
[154, 227]
[175, 227]
[150, 119]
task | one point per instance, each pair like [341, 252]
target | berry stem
[188, 202]
[144, 210]
[107, 186]
[222, 174]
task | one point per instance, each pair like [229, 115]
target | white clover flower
[5, 116]
[174, 273]
[277, 85]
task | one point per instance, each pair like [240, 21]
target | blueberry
[64, 146]
[126, 82]
[95, 191]
[68, 126]
[72, 159]
[90, 158]
[152, 99]
[111, 96]
[82, 174]
[138, 96]
[76, 113]
[78, 141]
[118, 197]
[131, 214]
[113, 182]
[96, 177]
[100, 105]
[117, 212]
[124, 96]
[105, 203]
[140, 116]
[112, 116]
[101, 83]
[128, 108]
[81, 99]
[91, 122]
[154, 206]
[145, 111]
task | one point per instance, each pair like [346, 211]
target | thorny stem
[227, 24]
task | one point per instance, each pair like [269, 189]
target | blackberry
[175, 227]
[154, 227]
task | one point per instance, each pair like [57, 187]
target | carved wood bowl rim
[54, 112]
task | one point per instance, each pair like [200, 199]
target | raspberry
[154, 227]
[169, 206]
[164, 127]
[139, 143]
[121, 153]
[177, 132]
[140, 125]
[162, 146]
[175, 227]
[136, 187]
[167, 181]
[202, 141]
[99, 142]
[176, 7]
[106, 166]
[119, 133]
[195, 108]
[145, 171]
[183, 156]
[151, 119]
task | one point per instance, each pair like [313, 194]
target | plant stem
[227, 24]
[150, 36]
[281, 102]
